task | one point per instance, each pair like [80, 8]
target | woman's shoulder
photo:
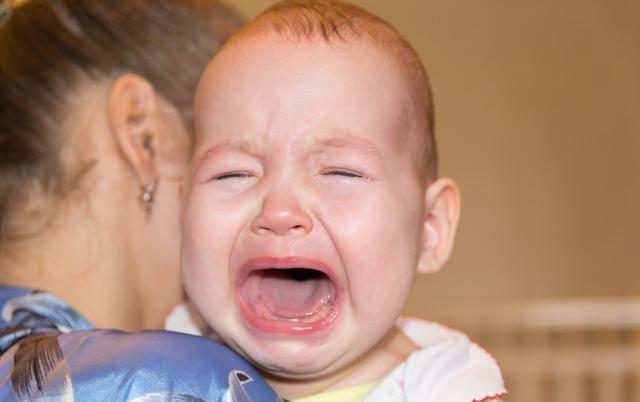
[119, 366]
[48, 351]
[8, 293]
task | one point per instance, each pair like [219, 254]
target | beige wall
[538, 118]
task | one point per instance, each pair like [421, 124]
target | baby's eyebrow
[347, 141]
[239, 146]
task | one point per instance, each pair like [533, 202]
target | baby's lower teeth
[322, 310]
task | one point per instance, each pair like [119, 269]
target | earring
[147, 196]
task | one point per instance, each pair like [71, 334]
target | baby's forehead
[336, 23]
[298, 30]
[272, 55]
[355, 76]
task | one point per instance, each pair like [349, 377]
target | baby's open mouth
[295, 298]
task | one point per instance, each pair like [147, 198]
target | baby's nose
[282, 214]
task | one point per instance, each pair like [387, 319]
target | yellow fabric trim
[352, 394]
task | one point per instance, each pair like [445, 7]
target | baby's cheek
[202, 284]
[386, 257]
[198, 232]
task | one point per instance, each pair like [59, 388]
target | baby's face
[304, 210]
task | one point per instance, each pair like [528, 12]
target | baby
[311, 203]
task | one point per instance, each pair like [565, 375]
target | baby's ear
[442, 211]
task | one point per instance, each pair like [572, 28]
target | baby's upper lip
[285, 262]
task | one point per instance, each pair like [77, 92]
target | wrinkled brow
[341, 141]
[239, 146]
[347, 141]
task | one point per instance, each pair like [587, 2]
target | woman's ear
[442, 211]
[132, 105]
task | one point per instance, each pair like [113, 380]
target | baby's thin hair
[336, 21]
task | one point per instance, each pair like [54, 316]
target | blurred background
[538, 118]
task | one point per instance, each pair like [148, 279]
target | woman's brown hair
[48, 46]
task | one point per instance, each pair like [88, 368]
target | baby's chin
[294, 359]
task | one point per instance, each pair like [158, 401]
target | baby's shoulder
[448, 367]
[437, 341]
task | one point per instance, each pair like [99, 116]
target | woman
[95, 102]
[95, 115]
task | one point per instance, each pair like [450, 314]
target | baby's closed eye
[343, 173]
[232, 175]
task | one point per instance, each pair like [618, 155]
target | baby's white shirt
[447, 368]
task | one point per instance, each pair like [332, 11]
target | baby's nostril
[262, 230]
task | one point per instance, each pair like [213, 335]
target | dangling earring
[147, 196]
[148, 190]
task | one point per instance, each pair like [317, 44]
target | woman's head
[73, 69]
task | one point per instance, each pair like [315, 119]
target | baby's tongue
[292, 294]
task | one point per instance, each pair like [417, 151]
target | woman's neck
[72, 259]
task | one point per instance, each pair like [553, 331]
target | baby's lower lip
[288, 301]
[286, 326]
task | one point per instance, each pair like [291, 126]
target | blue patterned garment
[49, 352]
